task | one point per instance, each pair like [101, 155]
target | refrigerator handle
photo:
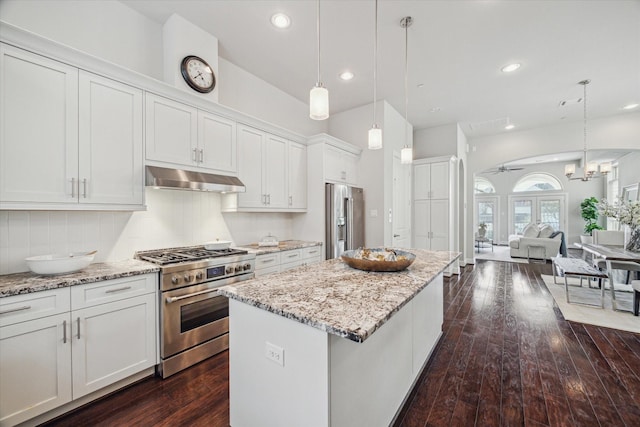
[348, 213]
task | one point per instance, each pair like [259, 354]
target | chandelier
[589, 169]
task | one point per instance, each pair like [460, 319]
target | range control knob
[246, 267]
[175, 280]
[238, 268]
[188, 277]
[229, 270]
[199, 275]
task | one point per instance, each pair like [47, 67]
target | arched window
[537, 182]
[483, 186]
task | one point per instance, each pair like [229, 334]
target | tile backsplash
[172, 218]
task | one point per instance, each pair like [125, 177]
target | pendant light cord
[318, 36]
[406, 73]
[375, 66]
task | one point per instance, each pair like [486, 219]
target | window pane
[522, 214]
[550, 213]
[537, 182]
[486, 214]
[483, 186]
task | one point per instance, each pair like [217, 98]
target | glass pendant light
[319, 95]
[375, 133]
[406, 154]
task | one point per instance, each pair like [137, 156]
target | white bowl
[60, 263]
[217, 245]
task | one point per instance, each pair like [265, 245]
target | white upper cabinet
[184, 136]
[38, 129]
[340, 166]
[110, 150]
[273, 170]
[171, 131]
[69, 137]
[217, 143]
[431, 181]
[297, 176]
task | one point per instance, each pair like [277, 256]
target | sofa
[537, 235]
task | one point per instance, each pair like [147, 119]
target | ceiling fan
[503, 168]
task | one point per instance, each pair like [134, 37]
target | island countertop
[338, 299]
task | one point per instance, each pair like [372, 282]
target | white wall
[629, 169]
[436, 141]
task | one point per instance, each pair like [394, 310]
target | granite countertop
[283, 245]
[25, 283]
[338, 299]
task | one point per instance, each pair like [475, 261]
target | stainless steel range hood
[178, 179]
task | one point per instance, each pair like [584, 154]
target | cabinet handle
[78, 328]
[64, 332]
[202, 155]
[290, 200]
[84, 188]
[264, 199]
[343, 175]
[267, 260]
[312, 252]
[268, 199]
[292, 256]
[396, 235]
[73, 188]
[195, 155]
[124, 288]
[13, 310]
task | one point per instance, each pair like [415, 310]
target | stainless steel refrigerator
[344, 219]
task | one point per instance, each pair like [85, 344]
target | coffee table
[481, 240]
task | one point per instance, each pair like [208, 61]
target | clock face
[198, 74]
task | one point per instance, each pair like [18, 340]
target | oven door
[193, 315]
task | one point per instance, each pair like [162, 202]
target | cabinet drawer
[112, 290]
[20, 308]
[313, 260]
[290, 256]
[267, 261]
[311, 252]
[290, 265]
[268, 270]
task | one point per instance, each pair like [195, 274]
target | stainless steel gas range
[194, 323]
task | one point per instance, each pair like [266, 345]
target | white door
[297, 176]
[217, 142]
[421, 181]
[38, 128]
[171, 131]
[250, 172]
[35, 362]
[275, 167]
[401, 225]
[334, 165]
[439, 180]
[110, 149]
[440, 225]
[422, 224]
[114, 340]
[545, 209]
[487, 211]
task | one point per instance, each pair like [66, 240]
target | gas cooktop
[185, 254]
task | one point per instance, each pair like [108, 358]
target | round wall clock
[198, 74]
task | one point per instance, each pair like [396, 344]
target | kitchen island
[328, 345]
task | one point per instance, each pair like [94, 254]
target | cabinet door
[171, 131]
[275, 166]
[351, 168]
[38, 128]
[421, 181]
[334, 169]
[112, 341]
[421, 224]
[35, 366]
[111, 168]
[297, 176]
[439, 225]
[217, 140]
[439, 180]
[250, 153]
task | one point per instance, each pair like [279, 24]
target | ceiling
[456, 50]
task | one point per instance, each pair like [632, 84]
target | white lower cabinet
[286, 260]
[60, 345]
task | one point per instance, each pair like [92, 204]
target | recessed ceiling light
[630, 106]
[280, 20]
[347, 75]
[509, 126]
[510, 68]
[420, 84]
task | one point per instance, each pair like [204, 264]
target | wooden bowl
[382, 266]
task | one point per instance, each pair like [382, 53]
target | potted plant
[589, 212]
[482, 229]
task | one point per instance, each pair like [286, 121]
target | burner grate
[177, 255]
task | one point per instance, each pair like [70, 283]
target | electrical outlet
[275, 353]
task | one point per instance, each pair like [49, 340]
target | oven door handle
[195, 294]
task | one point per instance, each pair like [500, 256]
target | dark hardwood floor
[507, 358]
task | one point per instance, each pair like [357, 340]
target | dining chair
[613, 238]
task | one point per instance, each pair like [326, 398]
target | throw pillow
[546, 231]
[531, 230]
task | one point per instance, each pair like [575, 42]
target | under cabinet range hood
[178, 179]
